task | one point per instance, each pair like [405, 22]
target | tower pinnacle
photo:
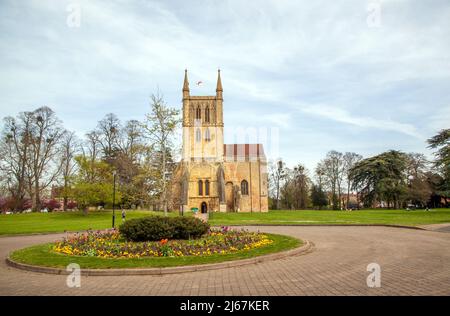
[219, 82]
[186, 82]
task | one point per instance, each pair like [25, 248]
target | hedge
[158, 227]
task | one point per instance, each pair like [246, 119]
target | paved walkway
[413, 262]
[445, 228]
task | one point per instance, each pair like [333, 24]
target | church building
[213, 176]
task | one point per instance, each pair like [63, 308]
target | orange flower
[163, 241]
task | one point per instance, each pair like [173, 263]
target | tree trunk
[164, 180]
[278, 196]
[65, 193]
[37, 199]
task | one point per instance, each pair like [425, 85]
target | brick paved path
[413, 262]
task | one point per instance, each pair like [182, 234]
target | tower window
[207, 135]
[198, 113]
[244, 187]
[198, 135]
[200, 187]
[207, 114]
[207, 187]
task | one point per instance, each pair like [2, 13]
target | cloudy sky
[362, 76]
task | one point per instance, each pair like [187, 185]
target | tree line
[392, 179]
[43, 165]
[39, 159]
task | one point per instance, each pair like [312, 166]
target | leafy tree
[441, 142]
[381, 178]
[318, 197]
[419, 191]
[94, 183]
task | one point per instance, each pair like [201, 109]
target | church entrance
[204, 207]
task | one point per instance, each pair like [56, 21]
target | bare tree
[43, 165]
[14, 147]
[350, 159]
[160, 126]
[417, 164]
[277, 173]
[109, 134]
[295, 188]
[130, 142]
[92, 145]
[70, 148]
[333, 169]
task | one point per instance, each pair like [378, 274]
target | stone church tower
[213, 176]
[202, 125]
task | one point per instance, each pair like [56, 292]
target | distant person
[123, 215]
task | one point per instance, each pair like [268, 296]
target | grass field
[74, 221]
[311, 217]
[43, 255]
[61, 221]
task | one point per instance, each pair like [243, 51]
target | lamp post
[410, 179]
[114, 200]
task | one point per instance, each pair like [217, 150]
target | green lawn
[61, 221]
[43, 255]
[74, 221]
[311, 217]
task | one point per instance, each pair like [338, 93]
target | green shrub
[157, 227]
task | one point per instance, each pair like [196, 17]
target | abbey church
[213, 176]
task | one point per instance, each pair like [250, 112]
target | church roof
[243, 152]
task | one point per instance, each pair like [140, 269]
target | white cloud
[278, 58]
[342, 116]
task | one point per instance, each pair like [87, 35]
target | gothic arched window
[200, 187]
[207, 135]
[198, 113]
[206, 187]
[198, 135]
[207, 114]
[244, 187]
[213, 114]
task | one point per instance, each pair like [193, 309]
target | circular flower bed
[110, 244]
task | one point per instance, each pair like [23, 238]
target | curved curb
[307, 247]
[329, 225]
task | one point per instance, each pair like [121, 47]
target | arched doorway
[204, 207]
